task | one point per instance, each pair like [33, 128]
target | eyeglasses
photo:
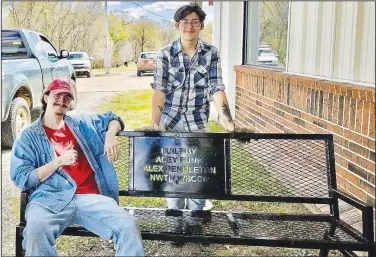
[66, 97]
[194, 23]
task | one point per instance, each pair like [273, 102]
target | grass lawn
[134, 107]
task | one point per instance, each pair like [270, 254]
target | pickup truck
[29, 63]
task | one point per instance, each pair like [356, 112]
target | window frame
[246, 42]
[24, 42]
[45, 40]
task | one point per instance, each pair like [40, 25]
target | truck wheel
[19, 117]
[75, 101]
[88, 74]
[139, 73]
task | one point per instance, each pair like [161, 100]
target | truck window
[12, 45]
[78, 56]
[149, 56]
[49, 49]
[35, 40]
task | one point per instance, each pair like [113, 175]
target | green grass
[134, 107]
[131, 67]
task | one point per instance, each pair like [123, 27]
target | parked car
[267, 56]
[29, 63]
[81, 63]
[146, 62]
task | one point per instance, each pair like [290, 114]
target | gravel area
[80, 246]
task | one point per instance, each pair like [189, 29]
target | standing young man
[66, 164]
[187, 76]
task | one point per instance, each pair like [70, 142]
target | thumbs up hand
[68, 156]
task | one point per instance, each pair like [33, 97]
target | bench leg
[372, 252]
[19, 251]
[324, 253]
[349, 253]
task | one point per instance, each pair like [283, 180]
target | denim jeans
[184, 203]
[97, 213]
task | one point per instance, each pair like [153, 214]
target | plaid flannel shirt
[187, 84]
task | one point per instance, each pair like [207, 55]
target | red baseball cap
[60, 86]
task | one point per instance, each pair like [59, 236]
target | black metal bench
[236, 170]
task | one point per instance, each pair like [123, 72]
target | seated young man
[66, 164]
[187, 76]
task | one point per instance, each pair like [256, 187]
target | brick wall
[273, 102]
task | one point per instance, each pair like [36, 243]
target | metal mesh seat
[254, 168]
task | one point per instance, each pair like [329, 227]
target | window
[266, 28]
[12, 45]
[49, 49]
[149, 56]
[78, 56]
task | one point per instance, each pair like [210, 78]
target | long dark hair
[44, 104]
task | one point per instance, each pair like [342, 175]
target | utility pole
[107, 57]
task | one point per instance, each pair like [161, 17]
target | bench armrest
[367, 213]
[23, 202]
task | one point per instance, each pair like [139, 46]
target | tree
[69, 25]
[207, 33]
[118, 31]
[166, 32]
[143, 35]
[274, 26]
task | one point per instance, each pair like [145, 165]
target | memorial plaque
[189, 165]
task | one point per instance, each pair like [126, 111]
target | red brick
[368, 142]
[352, 111]
[335, 108]
[335, 128]
[372, 121]
[355, 93]
[346, 112]
[341, 161]
[366, 111]
[363, 94]
[352, 136]
[359, 116]
[371, 96]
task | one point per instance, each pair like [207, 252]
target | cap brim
[56, 91]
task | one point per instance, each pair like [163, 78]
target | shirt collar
[39, 122]
[177, 47]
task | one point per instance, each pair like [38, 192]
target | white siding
[228, 38]
[335, 40]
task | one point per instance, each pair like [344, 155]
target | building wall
[228, 38]
[270, 101]
[320, 92]
[333, 40]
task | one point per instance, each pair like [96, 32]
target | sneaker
[208, 205]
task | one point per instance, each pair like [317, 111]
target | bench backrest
[237, 166]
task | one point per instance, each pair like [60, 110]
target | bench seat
[244, 228]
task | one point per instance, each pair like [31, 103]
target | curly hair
[185, 10]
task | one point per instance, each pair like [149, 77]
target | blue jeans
[97, 213]
[179, 203]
